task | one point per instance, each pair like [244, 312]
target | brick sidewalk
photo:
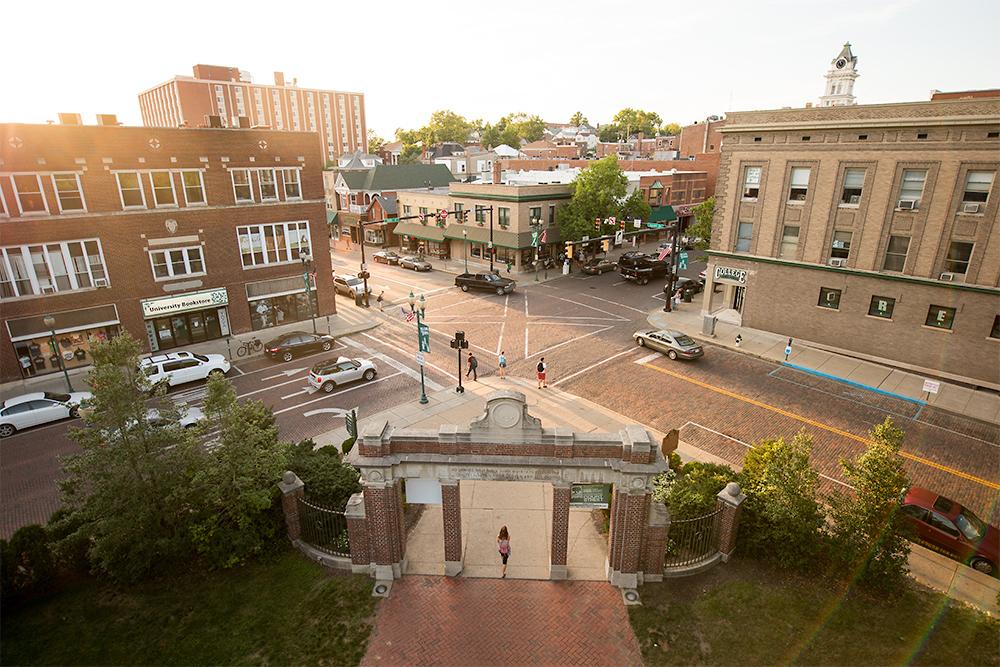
[451, 621]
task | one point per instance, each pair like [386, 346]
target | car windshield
[353, 281]
[685, 341]
[200, 357]
[489, 277]
[62, 398]
[971, 525]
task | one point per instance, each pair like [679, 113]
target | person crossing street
[473, 364]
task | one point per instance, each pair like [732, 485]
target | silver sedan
[415, 263]
[675, 344]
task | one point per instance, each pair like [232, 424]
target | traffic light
[569, 251]
[606, 245]
[621, 225]
[597, 226]
[465, 215]
[364, 275]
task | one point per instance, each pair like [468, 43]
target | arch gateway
[506, 443]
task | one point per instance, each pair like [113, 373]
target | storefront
[281, 301]
[40, 353]
[184, 319]
[424, 239]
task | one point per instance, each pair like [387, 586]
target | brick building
[681, 190]
[870, 230]
[229, 95]
[547, 149]
[178, 236]
[701, 137]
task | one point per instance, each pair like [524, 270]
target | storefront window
[38, 357]
[186, 328]
[275, 311]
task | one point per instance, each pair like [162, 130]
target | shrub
[693, 493]
[329, 481]
[26, 563]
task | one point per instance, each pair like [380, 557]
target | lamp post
[364, 265]
[668, 306]
[307, 266]
[465, 242]
[50, 324]
[536, 228]
[419, 306]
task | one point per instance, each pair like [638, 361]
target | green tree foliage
[631, 121]
[609, 132]
[578, 119]
[782, 519]
[635, 207]
[511, 129]
[237, 490]
[694, 490]
[670, 129]
[329, 481]
[702, 227]
[447, 125]
[27, 565]
[128, 487]
[375, 142]
[413, 143]
[868, 536]
[599, 192]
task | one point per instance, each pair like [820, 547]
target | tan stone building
[867, 229]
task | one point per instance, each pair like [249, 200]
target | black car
[687, 286]
[641, 267]
[296, 344]
[598, 265]
[386, 257]
[485, 281]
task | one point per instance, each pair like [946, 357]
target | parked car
[189, 416]
[174, 368]
[641, 267]
[598, 265]
[386, 257]
[415, 263]
[687, 286]
[329, 374]
[485, 281]
[674, 343]
[297, 343]
[21, 412]
[350, 286]
[946, 526]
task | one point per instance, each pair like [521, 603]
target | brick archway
[507, 444]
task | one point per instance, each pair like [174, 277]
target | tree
[670, 129]
[702, 227]
[631, 121]
[578, 119]
[329, 481]
[609, 132]
[782, 520]
[447, 125]
[635, 207]
[375, 142]
[597, 193]
[693, 492]
[511, 129]
[868, 535]
[413, 142]
[129, 486]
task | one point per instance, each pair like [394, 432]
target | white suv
[176, 368]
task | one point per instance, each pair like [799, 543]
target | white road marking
[570, 324]
[305, 390]
[273, 386]
[647, 358]
[572, 340]
[336, 393]
[578, 317]
[337, 412]
[592, 367]
[583, 305]
[613, 303]
[620, 282]
[237, 369]
[290, 372]
[458, 303]
[398, 365]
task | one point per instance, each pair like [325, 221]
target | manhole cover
[381, 589]
[631, 596]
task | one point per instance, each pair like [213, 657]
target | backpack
[541, 367]
[474, 362]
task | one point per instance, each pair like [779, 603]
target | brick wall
[702, 137]
[560, 523]
[452, 514]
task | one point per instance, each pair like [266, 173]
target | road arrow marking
[289, 373]
[647, 358]
[336, 412]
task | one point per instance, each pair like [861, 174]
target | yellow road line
[826, 427]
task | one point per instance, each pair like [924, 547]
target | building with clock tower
[840, 79]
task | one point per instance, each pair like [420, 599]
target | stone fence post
[657, 530]
[730, 501]
[357, 530]
[292, 488]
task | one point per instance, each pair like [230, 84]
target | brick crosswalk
[445, 621]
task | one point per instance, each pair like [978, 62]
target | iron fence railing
[691, 541]
[324, 529]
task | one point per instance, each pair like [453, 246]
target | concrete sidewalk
[813, 358]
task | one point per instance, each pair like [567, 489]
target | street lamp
[671, 276]
[419, 307]
[465, 242]
[307, 268]
[50, 324]
[536, 228]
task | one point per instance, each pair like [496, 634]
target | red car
[947, 527]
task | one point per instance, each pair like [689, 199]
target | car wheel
[74, 412]
[672, 354]
[369, 375]
[328, 387]
[499, 291]
[327, 345]
[215, 372]
[644, 281]
[6, 430]
[982, 565]
[641, 342]
[287, 356]
[465, 288]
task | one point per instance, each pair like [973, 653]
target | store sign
[590, 495]
[184, 302]
[730, 276]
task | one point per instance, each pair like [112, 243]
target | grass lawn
[285, 610]
[743, 613]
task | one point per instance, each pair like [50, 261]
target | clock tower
[840, 79]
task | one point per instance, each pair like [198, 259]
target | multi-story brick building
[701, 137]
[229, 95]
[681, 190]
[178, 236]
[868, 229]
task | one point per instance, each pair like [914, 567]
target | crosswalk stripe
[398, 365]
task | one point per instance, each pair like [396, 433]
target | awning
[662, 214]
[419, 231]
[501, 237]
[331, 217]
[66, 321]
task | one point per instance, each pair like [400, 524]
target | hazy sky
[684, 60]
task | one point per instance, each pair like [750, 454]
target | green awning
[502, 238]
[419, 231]
[662, 214]
[331, 217]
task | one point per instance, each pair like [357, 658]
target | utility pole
[668, 306]
[492, 251]
[364, 267]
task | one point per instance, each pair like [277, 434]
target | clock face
[841, 63]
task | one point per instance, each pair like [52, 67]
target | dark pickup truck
[642, 268]
[485, 281]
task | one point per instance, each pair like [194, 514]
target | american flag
[407, 314]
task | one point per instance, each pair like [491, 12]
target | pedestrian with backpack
[473, 365]
[540, 369]
[380, 299]
[503, 546]
[502, 361]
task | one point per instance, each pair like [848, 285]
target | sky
[683, 60]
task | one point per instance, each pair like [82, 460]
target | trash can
[708, 325]
[686, 296]
[359, 299]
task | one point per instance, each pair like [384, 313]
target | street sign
[655, 225]
[420, 358]
[351, 422]
[424, 337]
[931, 386]
[442, 214]
[586, 238]
[534, 238]
[619, 237]
[590, 495]
[682, 260]
[637, 223]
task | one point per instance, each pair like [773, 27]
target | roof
[419, 231]
[541, 143]
[392, 147]
[23, 398]
[846, 53]
[388, 203]
[392, 177]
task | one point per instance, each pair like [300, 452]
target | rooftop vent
[107, 119]
[70, 119]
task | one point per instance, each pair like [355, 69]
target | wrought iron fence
[691, 541]
[324, 529]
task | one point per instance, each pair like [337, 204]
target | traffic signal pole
[668, 306]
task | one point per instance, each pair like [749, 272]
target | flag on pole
[407, 314]
[545, 233]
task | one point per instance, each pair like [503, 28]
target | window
[407, 210]
[806, 137]
[290, 179]
[51, 268]
[177, 262]
[957, 261]
[130, 190]
[242, 190]
[940, 317]
[789, 242]
[535, 213]
[841, 246]
[422, 212]
[552, 214]
[895, 253]
[277, 243]
[268, 189]
[163, 188]
[942, 524]
[68, 192]
[881, 306]
[194, 187]
[480, 214]
[912, 187]
[458, 211]
[977, 187]
[995, 331]
[751, 182]
[28, 190]
[503, 215]
[854, 183]
[800, 184]
[829, 298]
[921, 135]
[744, 235]
[862, 137]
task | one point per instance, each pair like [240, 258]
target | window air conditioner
[854, 199]
[100, 282]
[947, 277]
[970, 208]
[838, 261]
[48, 289]
[906, 204]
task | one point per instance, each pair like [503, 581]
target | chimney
[70, 119]
[497, 172]
[107, 119]
[279, 79]
[809, 105]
